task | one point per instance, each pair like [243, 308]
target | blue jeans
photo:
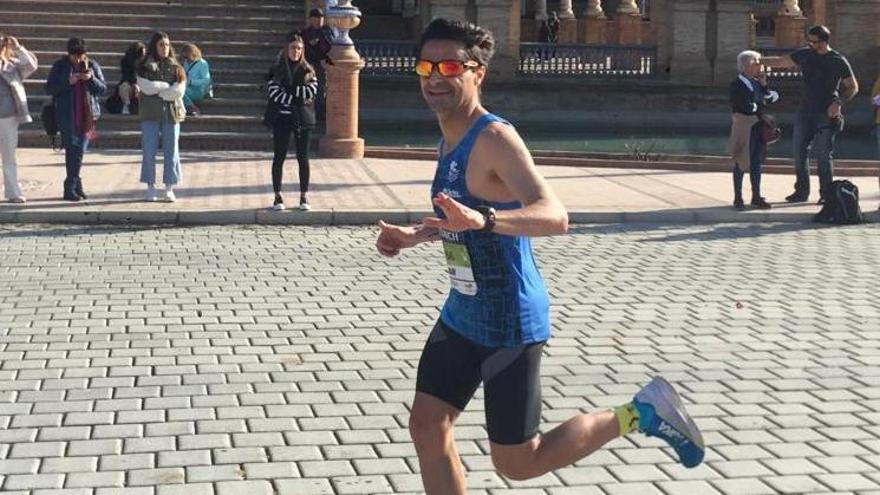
[170, 131]
[813, 128]
[74, 146]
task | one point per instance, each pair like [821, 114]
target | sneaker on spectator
[152, 195]
[278, 205]
[169, 194]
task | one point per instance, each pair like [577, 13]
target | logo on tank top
[454, 172]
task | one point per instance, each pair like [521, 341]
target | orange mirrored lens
[446, 68]
[424, 67]
[450, 68]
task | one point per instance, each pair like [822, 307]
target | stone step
[152, 7]
[113, 74]
[132, 33]
[249, 141]
[221, 90]
[164, 22]
[203, 123]
[209, 48]
[258, 64]
[218, 106]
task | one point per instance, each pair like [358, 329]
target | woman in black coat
[749, 94]
[292, 85]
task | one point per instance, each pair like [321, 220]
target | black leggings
[281, 138]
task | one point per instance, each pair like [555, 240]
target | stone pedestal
[449, 9]
[503, 19]
[343, 90]
[790, 30]
[595, 30]
[734, 27]
[629, 29]
[856, 34]
[689, 62]
[568, 30]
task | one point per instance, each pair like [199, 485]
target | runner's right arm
[393, 238]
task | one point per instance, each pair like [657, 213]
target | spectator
[319, 40]
[749, 94]
[163, 83]
[820, 116]
[875, 99]
[292, 84]
[16, 64]
[549, 30]
[198, 78]
[75, 82]
[129, 92]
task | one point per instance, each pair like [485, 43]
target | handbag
[769, 130]
[49, 119]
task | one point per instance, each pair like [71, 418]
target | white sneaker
[125, 110]
[169, 195]
[152, 195]
[304, 204]
[18, 199]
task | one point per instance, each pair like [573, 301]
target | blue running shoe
[662, 415]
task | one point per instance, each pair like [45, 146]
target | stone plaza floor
[269, 359]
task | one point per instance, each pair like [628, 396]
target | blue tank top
[498, 298]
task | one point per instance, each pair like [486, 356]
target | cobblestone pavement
[252, 359]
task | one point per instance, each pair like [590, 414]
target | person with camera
[16, 64]
[829, 83]
[75, 83]
[749, 94]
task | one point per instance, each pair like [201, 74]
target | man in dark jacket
[75, 82]
[319, 41]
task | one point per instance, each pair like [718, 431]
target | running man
[489, 200]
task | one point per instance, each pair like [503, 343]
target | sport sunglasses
[446, 68]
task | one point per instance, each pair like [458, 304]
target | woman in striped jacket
[292, 85]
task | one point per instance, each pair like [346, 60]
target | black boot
[78, 188]
[738, 203]
[70, 190]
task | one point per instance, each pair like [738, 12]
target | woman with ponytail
[292, 86]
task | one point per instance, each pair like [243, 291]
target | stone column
[629, 23]
[820, 12]
[503, 19]
[790, 25]
[541, 10]
[734, 36]
[568, 28]
[857, 35]
[595, 25]
[449, 9]
[690, 62]
[341, 139]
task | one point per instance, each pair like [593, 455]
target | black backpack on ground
[50, 122]
[842, 205]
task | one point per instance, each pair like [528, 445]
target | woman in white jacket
[16, 64]
[162, 81]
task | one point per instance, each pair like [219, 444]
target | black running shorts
[452, 367]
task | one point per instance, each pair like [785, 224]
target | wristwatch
[488, 217]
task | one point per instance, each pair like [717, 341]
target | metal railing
[387, 57]
[785, 74]
[596, 61]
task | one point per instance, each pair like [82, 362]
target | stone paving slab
[232, 187]
[281, 359]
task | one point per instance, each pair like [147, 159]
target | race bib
[459, 266]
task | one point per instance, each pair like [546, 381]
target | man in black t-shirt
[829, 82]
